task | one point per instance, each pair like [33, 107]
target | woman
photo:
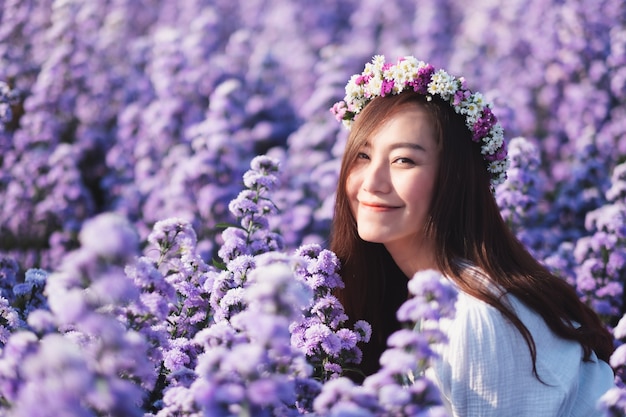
[416, 192]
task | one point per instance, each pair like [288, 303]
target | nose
[376, 178]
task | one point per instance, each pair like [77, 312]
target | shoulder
[480, 327]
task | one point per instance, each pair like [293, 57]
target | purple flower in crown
[484, 124]
[420, 83]
[500, 154]
[459, 97]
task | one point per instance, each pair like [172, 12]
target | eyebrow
[399, 145]
[409, 145]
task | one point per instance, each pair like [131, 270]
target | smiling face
[390, 185]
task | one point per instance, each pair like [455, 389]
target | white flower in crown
[371, 69]
[472, 107]
[405, 71]
[378, 61]
[442, 84]
[479, 100]
[498, 170]
[353, 90]
[374, 85]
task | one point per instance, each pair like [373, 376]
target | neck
[413, 258]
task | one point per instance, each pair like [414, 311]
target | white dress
[486, 369]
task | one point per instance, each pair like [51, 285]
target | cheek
[352, 186]
[352, 189]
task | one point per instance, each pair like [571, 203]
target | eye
[362, 155]
[404, 161]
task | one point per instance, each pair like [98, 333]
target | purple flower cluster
[400, 387]
[519, 196]
[79, 358]
[252, 207]
[329, 346]
[244, 362]
[601, 256]
[174, 302]
[249, 365]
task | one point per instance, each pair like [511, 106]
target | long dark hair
[467, 228]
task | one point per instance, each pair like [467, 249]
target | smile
[378, 207]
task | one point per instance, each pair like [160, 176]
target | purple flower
[173, 234]
[348, 338]
[416, 309]
[330, 310]
[273, 289]
[240, 266]
[333, 368]
[262, 328]
[253, 179]
[244, 204]
[398, 361]
[393, 397]
[218, 334]
[109, 236]
[246, 360]
[364, 329]
[315, 336]
[613, 402]
[177, 357]
[265, 164]
[9, 320]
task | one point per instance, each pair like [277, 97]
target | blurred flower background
[131, 135]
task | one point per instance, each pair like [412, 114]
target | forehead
[410, 123]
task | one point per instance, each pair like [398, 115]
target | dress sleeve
[486, 369]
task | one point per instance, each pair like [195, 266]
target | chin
[372, 238]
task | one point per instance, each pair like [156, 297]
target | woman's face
[390, 185]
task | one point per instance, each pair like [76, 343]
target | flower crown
[381, 78]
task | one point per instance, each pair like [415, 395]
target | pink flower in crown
[362, 79]
[339, 109]
[387, 87]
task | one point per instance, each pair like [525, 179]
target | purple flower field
[167, 176]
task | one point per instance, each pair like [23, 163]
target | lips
[378, 206]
